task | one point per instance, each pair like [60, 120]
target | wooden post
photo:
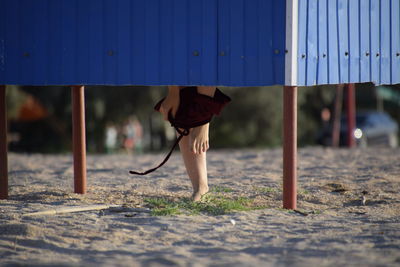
[351, 114]
[3, 145]
[290, 147]
[79, 138]
[337, 115]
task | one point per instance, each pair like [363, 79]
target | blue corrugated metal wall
[349, 41]
[251, 40]
[142, 42]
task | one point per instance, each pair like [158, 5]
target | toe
[204, 148]
[193, 147]
[199, 148]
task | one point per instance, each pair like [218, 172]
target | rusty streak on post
[3, 145]
[351, 114]
[290, 147]
[337, 115]
[79, 138]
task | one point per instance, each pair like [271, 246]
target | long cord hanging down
[183, 133]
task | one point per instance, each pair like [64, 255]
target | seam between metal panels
[244, 80]
[187, 55]
[359, 41]
[217, 41]
[380, 41]
[348, 41]
[318, 36]
[159, 44]
[307, 31]
[390, 41]
[173, 41]
[370, 42]
[338, 38]
[328, 77]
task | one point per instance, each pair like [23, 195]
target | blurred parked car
[372, 129]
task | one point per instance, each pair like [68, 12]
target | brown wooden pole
[337, 115]
[351, 114]
[290, 147]
[3, 145]
[79, 138]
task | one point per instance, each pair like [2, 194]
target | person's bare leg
[196, 168]
[198, 137]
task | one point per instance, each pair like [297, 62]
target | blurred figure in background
[111, 138]
[133, 135]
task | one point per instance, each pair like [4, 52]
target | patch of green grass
[166, 211]
[211, 204]
[157, 202]
[162, 206]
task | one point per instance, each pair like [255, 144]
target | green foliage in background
[252, 119]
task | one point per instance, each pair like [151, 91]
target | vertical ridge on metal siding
[151, 42]
[312, 42]
[12, 44]
[96, 68]
[109, 41]
[2, 40]
[365, 41]
[333, 43]
[40, 8]
[123, 52]
[265, 68]
[375, 38]
[209, 53]
[278, 43]
[69, 39]
[236, 41]
[385, 42]
[395, 42]
[166, 42]
[322, 59]
[53, 60]
[302, 43]
[354, 41]
[138, 55]
[251, 55]
[195, 34]
[343, 37]
[180, 20]
[82, 42]
[26, 23]
[224, 59]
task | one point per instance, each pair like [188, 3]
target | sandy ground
[339, 229]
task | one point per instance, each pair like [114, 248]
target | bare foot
[198, 139]
[198, 194]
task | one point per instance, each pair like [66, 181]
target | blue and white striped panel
[348, 41]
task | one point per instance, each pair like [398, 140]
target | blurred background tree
[40, 117]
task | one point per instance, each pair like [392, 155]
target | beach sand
[339, 228]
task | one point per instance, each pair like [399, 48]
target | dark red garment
[194, 110]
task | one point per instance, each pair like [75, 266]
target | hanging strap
[182, 133]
